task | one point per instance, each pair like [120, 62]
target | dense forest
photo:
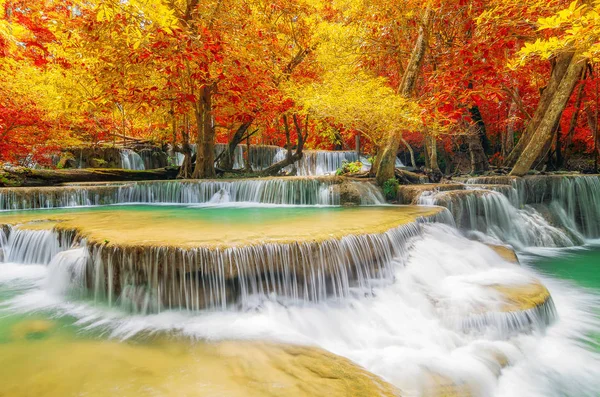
[450, 85]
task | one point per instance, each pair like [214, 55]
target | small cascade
[130, 160]
[67, 272]
[263, 156]
[511, 322]
[3, 243]
[323, 162]
[492, 213]
[31, 246]
[270, 191]
[238, 154]
[369, 193]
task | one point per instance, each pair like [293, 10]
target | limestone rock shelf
[189, 227]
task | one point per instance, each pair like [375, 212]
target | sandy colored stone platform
[187, 227]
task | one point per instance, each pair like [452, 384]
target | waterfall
[130, 160]
[57, 196]
[491, 213]
[162, 278]
[270, 191]
[323, 162]
[289, 191]
[67, 272]
[31, 246]
[238, 154]
[572, 201]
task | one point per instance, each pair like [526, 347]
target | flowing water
[422, 317]
[288, 191]
[130, 160]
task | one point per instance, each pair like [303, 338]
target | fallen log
[20, 176]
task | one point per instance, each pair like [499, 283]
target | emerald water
[580, 265]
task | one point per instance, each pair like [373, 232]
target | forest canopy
[496, 83]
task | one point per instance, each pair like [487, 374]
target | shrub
[349, 167]
[390, 189]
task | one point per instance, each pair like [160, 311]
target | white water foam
[403, 330]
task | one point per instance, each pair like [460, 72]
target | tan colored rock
[507, 253]
[59, 368]
[409, 194]
[523, 297]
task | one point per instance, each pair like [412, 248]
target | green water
[581, 265]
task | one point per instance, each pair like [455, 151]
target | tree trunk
[435, 173]
[480, 127]
[413, 163]
[574, 118]
[205, 140]
[476, 141]
[558, 149]
[226, 159]
[551, 117]
[291, 157]
[508, 140]
[387, 162]
[559, 69]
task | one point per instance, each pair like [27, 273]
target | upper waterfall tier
[288, 190]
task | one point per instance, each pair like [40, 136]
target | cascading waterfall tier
[491, 212]
[288, 190]
[186, 259]
[572, 200]
[553, 210]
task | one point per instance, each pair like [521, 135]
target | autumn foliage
[179, 72]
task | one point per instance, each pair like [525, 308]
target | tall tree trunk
[435, 172]
[481, 130]
[574, 118]
[476, 141]
[551, 117]
[559, 69]
[387, 162]
[205, 140]
[508, 140]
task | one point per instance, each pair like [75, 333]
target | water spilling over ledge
[542, 211]
[151, 259]
[289, 190]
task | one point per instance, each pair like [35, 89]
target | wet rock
[349, 194]
[176, 368]
[507, 253]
